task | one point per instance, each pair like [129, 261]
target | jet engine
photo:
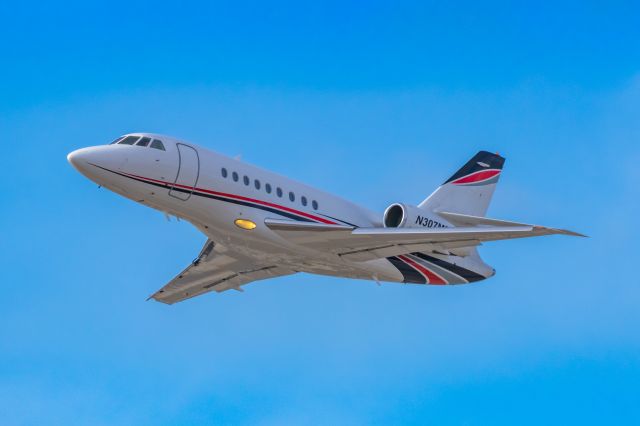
[400, 215]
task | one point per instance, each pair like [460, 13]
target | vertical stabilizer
[470, 189]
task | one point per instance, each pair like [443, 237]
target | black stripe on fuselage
[339, 220]
[410, 275]
[458, 270]
[214, 197]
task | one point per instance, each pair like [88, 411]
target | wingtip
[153, 297]
[571, 233]
[577, 234]
[559, 231]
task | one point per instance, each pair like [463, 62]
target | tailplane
[470, 189]
[458, 206]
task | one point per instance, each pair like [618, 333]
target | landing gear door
[188, 172]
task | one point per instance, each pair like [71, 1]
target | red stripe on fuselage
[239, 197]
[477, 176]
[431, 276]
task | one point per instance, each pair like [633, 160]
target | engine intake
[394, 216]
[400, 215]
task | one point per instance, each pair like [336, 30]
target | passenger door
[188, 172]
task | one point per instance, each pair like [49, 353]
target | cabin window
[224, 173]
[235, 176]
[246, 180]
[144, 142]
[157, 144]
[279, 192]
[292, 196]
[267, 187]
[256, 183]
[129, 140]
[314, 204]
[303, 199]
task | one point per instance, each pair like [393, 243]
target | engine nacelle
[400, 215]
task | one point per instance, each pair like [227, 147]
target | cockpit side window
[144, 141]
[129, 140]
[157, 144]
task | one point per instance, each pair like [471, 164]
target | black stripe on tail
[483, 160]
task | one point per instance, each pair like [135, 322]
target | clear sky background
[377, 102]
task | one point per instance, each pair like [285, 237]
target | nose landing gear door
[188, 172]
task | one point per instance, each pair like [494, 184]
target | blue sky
[377, 102]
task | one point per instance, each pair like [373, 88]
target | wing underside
[222, 270]
[215, 271]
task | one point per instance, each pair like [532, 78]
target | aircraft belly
[377, 270]
[271, 248]
[216, 218]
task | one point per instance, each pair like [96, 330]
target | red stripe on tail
[477, 177]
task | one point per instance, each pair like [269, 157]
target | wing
[219, 271]
[360, 244]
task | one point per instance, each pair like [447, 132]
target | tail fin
[470, 189]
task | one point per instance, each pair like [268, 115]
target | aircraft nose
[79, 159]
[94, 162]
[88, 160]
[72, 157]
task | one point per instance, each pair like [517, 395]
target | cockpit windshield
[143, 141]
[157, 144]
[129, 140]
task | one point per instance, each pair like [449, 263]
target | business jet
[261, 225]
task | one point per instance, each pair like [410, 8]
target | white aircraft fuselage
[276, 224]
[195, 190]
